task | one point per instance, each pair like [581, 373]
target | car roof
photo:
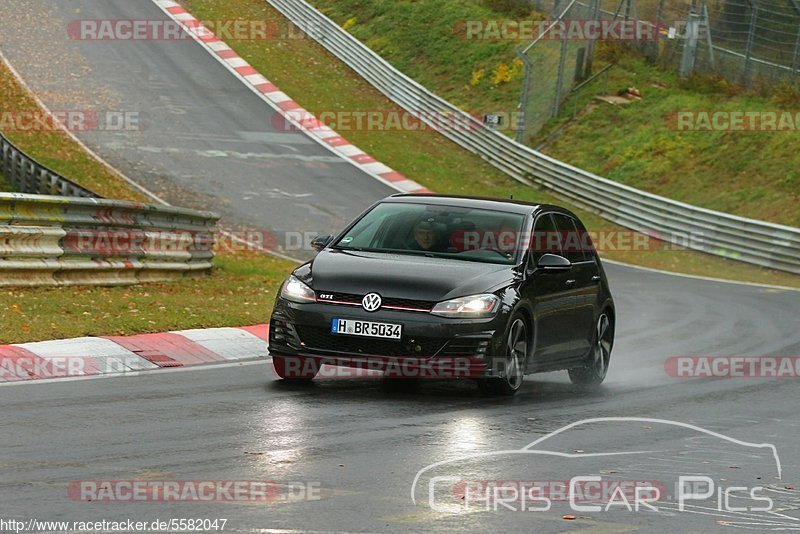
[512, 206]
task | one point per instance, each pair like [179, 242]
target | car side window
[589, 252]
[571, 239]
[546, 239]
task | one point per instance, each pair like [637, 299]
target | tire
[516, 354]
[599, 356]
[295, 368]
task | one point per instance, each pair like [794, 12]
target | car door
[578, 249]
[552, 297]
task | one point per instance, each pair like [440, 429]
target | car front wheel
[512, 366]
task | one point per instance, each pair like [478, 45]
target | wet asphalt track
[361, 442]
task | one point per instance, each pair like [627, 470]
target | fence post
[523, 100]
[595, 9]
[748, 54]
[659, 26]
[560, 78]
[690, 47]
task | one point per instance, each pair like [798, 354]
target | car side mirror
[320, 242]
[553, 263]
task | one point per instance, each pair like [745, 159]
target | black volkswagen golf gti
[446, 286]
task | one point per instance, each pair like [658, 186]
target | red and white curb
[114, 355]
[301, 119]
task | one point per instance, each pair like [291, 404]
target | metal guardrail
[748, 240]
[78, 238]
[51, 240]
[29, 176]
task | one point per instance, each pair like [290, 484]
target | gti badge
[371, 302]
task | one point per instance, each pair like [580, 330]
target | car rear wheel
[599, 356]
[294, 368]
[513, 365]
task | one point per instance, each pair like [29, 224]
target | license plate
[353, 327]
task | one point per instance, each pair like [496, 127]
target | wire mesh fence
[749, 42]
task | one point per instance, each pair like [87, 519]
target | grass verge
[55, 149]
[239, 292]
[319, 82]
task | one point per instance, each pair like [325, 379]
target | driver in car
[428, 235]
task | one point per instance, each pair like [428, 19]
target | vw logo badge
[371, 302]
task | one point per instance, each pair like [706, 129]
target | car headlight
[296, 291]
[471, 306]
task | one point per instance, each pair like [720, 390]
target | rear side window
[589, 252]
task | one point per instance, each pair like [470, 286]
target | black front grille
[425, 305]
[320, 339]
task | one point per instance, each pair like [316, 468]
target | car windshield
[461, 233]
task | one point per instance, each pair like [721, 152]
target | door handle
[570, 282]
[595, 278]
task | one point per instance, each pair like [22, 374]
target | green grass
[240, 292]
[752, 174]
[318, 81]
[425, 39]
[749, 173]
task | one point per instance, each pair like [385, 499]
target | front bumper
[431, 346]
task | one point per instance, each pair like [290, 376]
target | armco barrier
[28, 176]
[50, 240]
[80, 238]
[752, 241]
